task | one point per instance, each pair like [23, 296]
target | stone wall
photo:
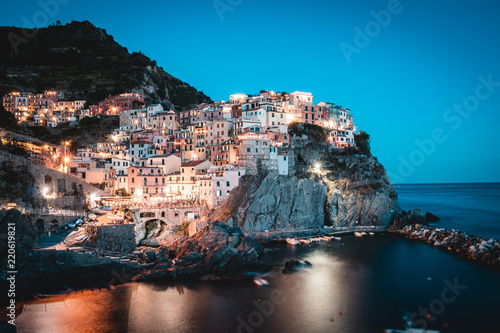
[117, 238]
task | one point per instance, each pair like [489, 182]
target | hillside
[85, 62]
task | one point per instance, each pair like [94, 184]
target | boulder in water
[293, 266]
[431, 217]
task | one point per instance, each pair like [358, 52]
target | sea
[355, 285]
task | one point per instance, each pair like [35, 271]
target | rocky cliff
[216, 249]
[324, 187]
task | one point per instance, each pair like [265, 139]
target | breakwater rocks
[216, 249]
[456, 242]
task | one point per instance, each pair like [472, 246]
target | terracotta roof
[192, 163]
[139, 141]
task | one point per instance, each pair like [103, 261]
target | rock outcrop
[344, 191]
[293, 266]
[216, 249]
[431, 217]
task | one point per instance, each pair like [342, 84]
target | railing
[24, 161]
[54, 212]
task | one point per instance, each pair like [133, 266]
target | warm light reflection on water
[81, 311]
[359, 283]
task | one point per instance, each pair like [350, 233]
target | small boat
[337, 238]
[292, 241]
[71, 225]
[260, 281]
[358, 234]
[371, 233]
[78, 221]
[363, 233]
[304, 241]
[314, 240]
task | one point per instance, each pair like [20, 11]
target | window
[227, 183]
[248, 150]
[218, 183]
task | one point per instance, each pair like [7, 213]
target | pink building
[114, 104]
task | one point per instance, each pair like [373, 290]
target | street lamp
[66, 160]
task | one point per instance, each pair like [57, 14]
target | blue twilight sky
[401, 75]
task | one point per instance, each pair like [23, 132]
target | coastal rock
[431, 217]
[346, 191]
[293, 266]
[416, 216]
[216, 249]
[286, 203]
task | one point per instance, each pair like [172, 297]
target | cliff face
[351, 190]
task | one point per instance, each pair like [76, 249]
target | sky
[421, 77]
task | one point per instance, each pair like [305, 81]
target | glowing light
[45, 190]
[66, 159]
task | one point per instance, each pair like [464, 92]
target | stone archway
[40, 226]
[54, 224]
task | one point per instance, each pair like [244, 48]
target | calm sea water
[473, 208]
[356, 285]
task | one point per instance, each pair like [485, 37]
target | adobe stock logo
[372, 29]
[49, 9]
[223, 6]
[437, 306]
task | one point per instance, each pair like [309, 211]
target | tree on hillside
[136, 104]
[362, 140]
